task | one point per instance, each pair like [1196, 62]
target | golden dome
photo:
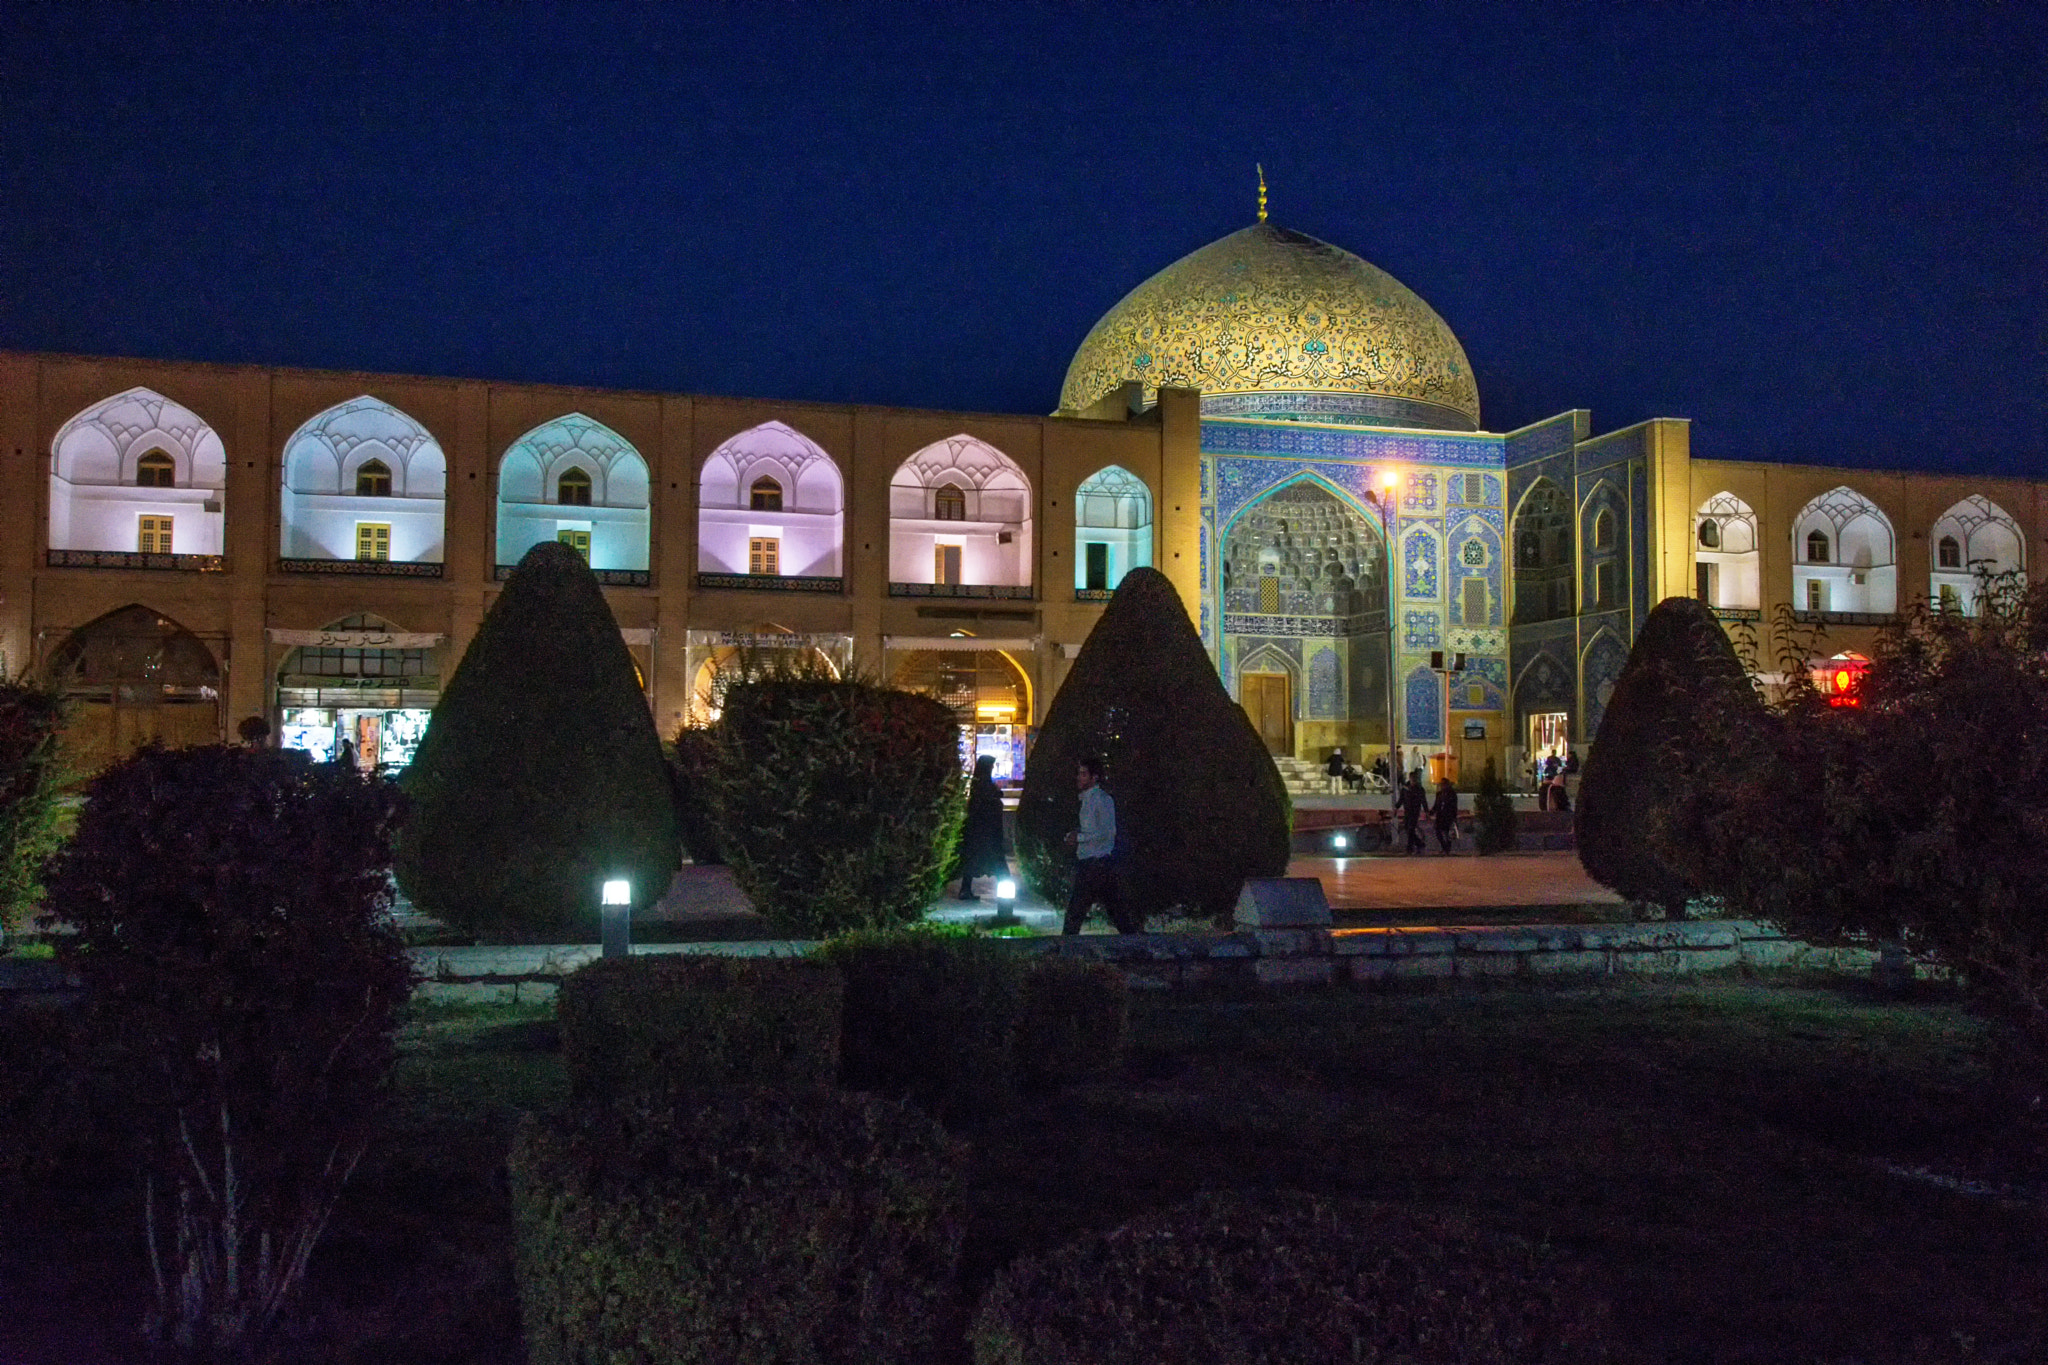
[1268, 322]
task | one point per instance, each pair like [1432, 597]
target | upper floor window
[1951, 553]
[153, 535]
[765, 495]
[949, 503]
[155, 470]
[373, 480]
[573, 488]
[1710, 534]
[1816, 547]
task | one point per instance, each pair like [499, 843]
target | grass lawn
[1716, 1152]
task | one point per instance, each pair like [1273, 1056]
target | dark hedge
[810, 1227]
[655, 1025]
[1199, 804]
[541, 774]
[1285, 1280]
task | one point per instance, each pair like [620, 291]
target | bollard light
[1340, 842]
[616, 917]
[1006, 901]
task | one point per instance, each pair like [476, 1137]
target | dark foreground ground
[1782, 1172]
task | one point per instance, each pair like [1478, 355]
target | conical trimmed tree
[1199, 804]
[1659, 769]
[541, 774]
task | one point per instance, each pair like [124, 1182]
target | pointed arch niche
[133, 677]
[771, 504]
[1844, 556]
[1975, 537]
[325, 519]
[576, 480]
[959, 523]
[109, 488]
[1112, 528]
[1727, 564]
[1542, 536]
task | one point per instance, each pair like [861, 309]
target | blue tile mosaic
[1422, 705]
[1323, 701]
[1421, 630]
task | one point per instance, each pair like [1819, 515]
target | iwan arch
[1294, 438]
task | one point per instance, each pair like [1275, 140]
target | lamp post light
[1383, 502]
[616, 917]
[1006, 902]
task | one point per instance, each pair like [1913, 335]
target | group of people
[1549, 775]
[1443, 812]
[983, 851]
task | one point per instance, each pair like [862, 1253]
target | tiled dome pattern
[1269, 311]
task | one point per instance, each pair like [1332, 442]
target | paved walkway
[1377, 883]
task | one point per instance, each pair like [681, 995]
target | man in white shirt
[1094, 845]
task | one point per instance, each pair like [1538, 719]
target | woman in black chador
[981, 836]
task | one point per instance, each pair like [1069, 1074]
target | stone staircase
[1302, 777]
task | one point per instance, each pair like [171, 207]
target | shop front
[358, 690]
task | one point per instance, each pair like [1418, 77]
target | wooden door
[1269, 701]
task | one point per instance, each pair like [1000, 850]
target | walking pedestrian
[1412, 802]
[1445, 813]
[981, 852]
[1094, 845]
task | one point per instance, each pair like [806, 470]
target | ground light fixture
[1340, 842]
[616, 917]
[1006, 901]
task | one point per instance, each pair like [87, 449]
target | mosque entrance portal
[1305, 621]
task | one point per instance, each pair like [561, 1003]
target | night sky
[1816, 230]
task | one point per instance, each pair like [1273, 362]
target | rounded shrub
[763, 1225]
[540, 775]
[837, 801]
[930, 1017]
[657, 1025]
[1286, 1279]
[1199, 803]
[1658, 768]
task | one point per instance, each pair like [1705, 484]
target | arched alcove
[1603, 566]
[1112, 528]
[770, 504]
[1972, 543]
[1542, 537]
[987, 546]
[133, 677]
[1844, 556]
[325, 517]
[1727, 563]
[575, 480]
[137, 473]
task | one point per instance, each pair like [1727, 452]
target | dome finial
[1262, 190]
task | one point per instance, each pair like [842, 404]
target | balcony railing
[1737, 614]
[129, 559]
[1846, 618]
[611, 578]
[768, 582]
[360, 568]
[1093, 594]
[985, 591]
